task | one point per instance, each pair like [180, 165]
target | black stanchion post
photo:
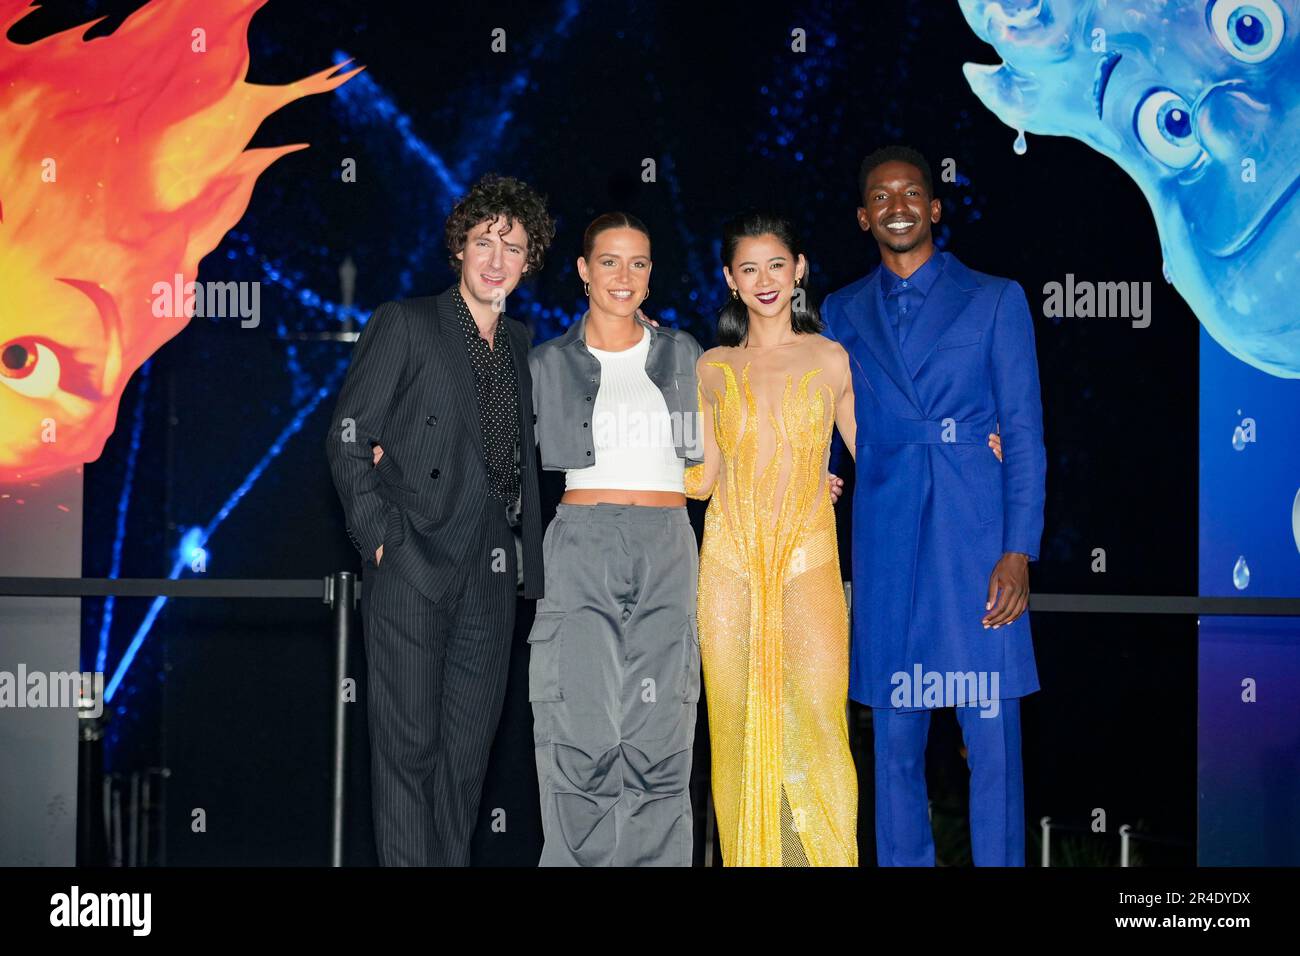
[340, 594]
[133, 845]
[92, 842]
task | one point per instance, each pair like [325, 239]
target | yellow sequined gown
[773, 626]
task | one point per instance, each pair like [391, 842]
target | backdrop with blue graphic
[1249, 670]
[216, 465]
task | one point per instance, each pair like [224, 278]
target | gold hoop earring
[586, 289]
[734, 295]
[647, 294]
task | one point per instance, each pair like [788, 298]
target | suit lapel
[464, 394]
[519, 355]
[867, 313]
[948, 298]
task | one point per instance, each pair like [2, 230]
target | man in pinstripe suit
[432, 452]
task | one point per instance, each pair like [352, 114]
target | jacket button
[588, 454]
[431, 420]
[585, 424]
[588, 398]
[435, 473]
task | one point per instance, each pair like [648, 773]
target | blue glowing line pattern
[205, 534]
[123, 507]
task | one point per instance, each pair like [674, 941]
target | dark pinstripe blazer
[410, 388]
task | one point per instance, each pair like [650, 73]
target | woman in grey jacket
[614, 672]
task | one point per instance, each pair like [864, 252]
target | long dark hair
[733, 320]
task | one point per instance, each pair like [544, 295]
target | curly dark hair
[494, 197]
[895, 153]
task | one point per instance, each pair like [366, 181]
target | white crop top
[631, 430]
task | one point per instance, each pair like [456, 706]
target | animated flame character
[122, 164]
[1200, 103]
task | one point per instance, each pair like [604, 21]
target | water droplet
[1238, 438]
[1295, 520]
[1164, 269]
[1020, 145]
[1240, 574]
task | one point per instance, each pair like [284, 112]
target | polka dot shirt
[498, 401]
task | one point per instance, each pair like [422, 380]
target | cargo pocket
[691, 667]
[544, 657]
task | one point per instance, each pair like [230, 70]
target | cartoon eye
[29, 368]
[1164, 125]
[1250, 31]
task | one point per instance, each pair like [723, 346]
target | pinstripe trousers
[437, 679]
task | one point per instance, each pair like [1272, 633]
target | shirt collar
[467, 318]
[576, 332]
[458, 301]
[922, 280]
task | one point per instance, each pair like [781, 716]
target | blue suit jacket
[933, 510]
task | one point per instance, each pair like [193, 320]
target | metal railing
[1127, 834]
[341, 591]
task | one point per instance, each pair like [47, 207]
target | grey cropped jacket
[566, 379]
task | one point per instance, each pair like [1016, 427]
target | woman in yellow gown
[772, 620]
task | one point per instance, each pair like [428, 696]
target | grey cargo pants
[614, 680]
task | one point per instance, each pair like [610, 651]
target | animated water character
[1198, 102]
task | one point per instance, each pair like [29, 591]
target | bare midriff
[624, 496]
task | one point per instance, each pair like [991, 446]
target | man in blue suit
[942, 534]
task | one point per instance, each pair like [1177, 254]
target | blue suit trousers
[997, 801]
